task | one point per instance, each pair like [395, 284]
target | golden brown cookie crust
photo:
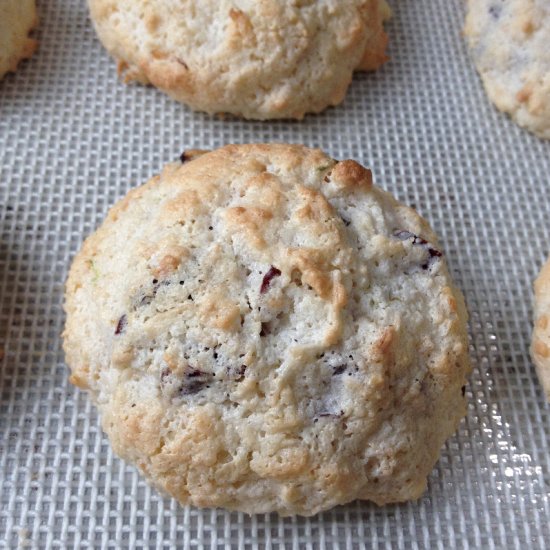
[264, 329]
[540, 346]
[510, 46]
[17, 19]
[268, 60]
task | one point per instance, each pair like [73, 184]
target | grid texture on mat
[73, 140]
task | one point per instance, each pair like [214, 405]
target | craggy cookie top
[540, 347]
[254, 58]
[17, 19]
[264, 329]
[510, 41]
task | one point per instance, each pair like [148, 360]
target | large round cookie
[540, 347]
[17, 19]
[264, 329]
[510, 42]
[258, 59]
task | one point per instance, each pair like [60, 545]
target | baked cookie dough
[17, 19]
[260, 60]
[510, 43]
[540, 347]
[263, 329]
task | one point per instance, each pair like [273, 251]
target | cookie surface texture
[510, 44]
[540, 346]
[17, 19]
[258, 59]
[263, 329]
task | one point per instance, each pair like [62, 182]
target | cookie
[510, 44]
[259, 60]
[263, 329]
[540, 345]
[17, 19]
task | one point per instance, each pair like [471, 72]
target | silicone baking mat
[73, 140]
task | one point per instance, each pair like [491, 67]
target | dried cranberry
[240, 372]
[148, 295]
[192, 387]
[266, 281]
[339, 369]
[194, 373]
[164, 374]
[404, 235]
[326, 414]
[265, 329]
[121, 325]
[194, 381]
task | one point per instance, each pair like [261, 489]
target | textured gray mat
[73, 140]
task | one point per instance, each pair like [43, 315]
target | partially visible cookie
[540, 346]
[17, 19]
[263, 329]
[260, 60]
[510, 43]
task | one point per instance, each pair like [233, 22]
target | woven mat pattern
[73, 140]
